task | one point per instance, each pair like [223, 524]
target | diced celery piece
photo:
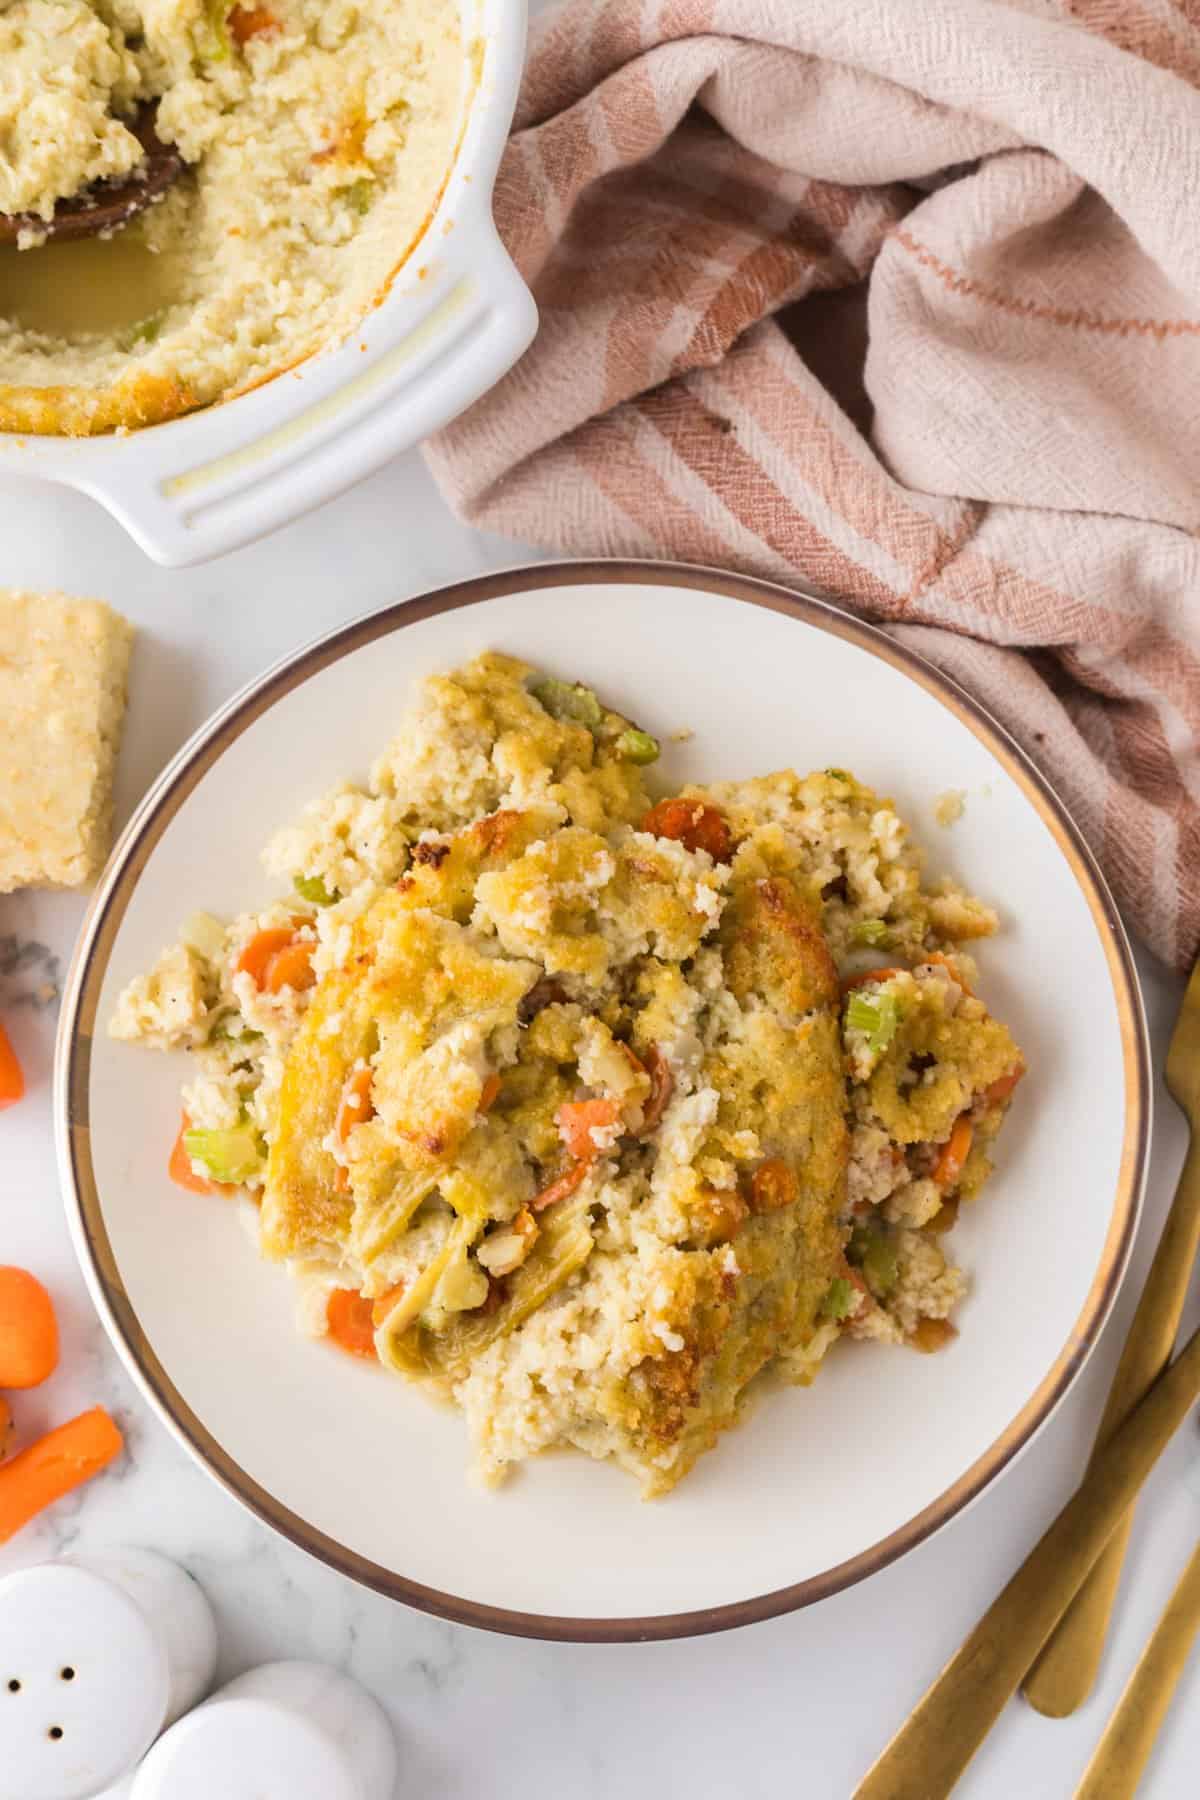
[877, 1018]
[231, 1155]
[205, 935]
[870, 931]
[871, 1250]
[568, 700]
[637, 746]
[218, 46]
[360, 196]
[839, 1298]
[313, 889]
[838, 775]
[231, 1028]
[879, 1265]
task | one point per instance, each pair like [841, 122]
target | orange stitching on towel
[1076, 317]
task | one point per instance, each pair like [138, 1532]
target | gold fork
[944, 1730]
[1063, 1675]
[1122, 1753]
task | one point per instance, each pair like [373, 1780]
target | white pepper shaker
[286, 1731]
[97, 1655]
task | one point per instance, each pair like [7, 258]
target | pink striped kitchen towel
[900, 299]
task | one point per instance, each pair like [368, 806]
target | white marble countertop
[797, 1706]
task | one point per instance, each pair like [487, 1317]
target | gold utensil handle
[1121, 1755]
[930, 1752]
[1063, 1675]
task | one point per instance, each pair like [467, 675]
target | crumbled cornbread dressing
[65, 78]
[574, 1107]
[318, 134]
[949, 807]
[63, 666]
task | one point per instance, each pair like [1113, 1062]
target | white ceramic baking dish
[455, 319]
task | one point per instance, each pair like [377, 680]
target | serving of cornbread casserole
[582, 1105]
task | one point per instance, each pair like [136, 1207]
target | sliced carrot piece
[866, 975]
[931, 1335]
[383, 1306]
[559, 1190]
[949, 1166]
[662, 1086]
[348, 1316]
[28, 1330]
[578, 1118]
[773, 1186]
[246, 22]
[257, 956]
[1000, 1089]
[355, 1106]
[179, 1167]
[693, 824]
[489, 1093]
[12, 1080]
[58, 1463]
[291, 967]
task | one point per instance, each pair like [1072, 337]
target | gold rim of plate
[77, 1025]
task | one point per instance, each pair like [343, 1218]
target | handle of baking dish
[204, 485]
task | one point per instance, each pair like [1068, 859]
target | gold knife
[930, 1752]
[1064, 1673]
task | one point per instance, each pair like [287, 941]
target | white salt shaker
[286, 1731]
[97, 1655]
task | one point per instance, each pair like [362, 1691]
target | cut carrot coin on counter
[12, 1080]
[57, 1464]
[28, 1330]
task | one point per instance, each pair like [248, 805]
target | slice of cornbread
[63, 665]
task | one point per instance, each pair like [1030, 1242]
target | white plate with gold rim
[818, 1487]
